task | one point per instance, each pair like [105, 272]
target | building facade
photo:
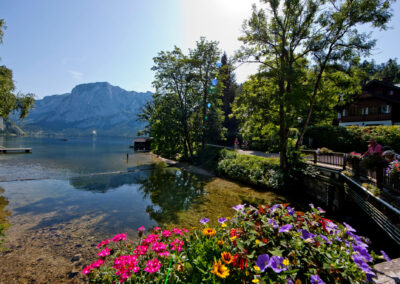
[378, 104]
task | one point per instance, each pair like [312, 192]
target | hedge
[352, 138]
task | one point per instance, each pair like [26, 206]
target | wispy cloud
[75, 74]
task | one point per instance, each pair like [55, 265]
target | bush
[258, 245]
[352, 138]
[259, 171]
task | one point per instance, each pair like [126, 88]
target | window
[386, 109]
[344, 112]
[391, 92]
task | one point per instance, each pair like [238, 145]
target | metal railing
[333, 159]
[343, 161]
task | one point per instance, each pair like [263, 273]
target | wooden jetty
[4, 150]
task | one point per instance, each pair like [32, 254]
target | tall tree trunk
[203, 127]
[282, 138]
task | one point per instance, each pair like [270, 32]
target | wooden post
[315, 157]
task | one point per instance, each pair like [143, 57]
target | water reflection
[171, 191]
[108, 203]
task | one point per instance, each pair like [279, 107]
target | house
[378, 104]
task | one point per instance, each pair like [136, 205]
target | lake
[66, 196]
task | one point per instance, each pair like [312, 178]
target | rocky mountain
[107, 109]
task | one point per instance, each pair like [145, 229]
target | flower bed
[257, 245]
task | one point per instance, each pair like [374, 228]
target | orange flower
[220, 243]
[226, 257]
[209, 232]
[219, 269]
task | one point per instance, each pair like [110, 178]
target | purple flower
[214, 82]
[328, 241]
[273, 223]
[285, 228]
[363, 252]
[311, 205]
[360, 262]
[263, 262]
[273, 208]
[289, 281]
[204, 220]
[385, 256]
[349, 228]
[276, 264]
[306, 234]
[316, 280]
[290, 211]
[221, 220]
[321, 210]
[239, 207]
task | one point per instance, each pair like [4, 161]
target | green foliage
[372, 188]
[267, 244]
[298, 45]
[9, 101]
[185, 112]
[389, 70]
[249, 169]
[353, 138]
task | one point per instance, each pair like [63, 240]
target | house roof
[369, 95]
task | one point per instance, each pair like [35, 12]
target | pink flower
[158, 247]
[141, 250]
[87, 270]
[103, 243]
[97, 263]
[176, 245]
[119, 237]
[150, 239]
[185, 230]
[164, 253]
[104, 252]
[156, 229]
[142, 229]
[166, 233]
[152, 266]
[177, 231]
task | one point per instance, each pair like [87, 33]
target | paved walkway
[388, 272]
[248, 152]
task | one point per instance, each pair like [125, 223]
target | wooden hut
[142, 144]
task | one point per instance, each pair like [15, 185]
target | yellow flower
[220, 243]
[209, 232]
[223, 225]
[256, 268]
[219, 269]
[247, 273]
[286, 261]
[298, 281]
[255, 280]
[226, 257]
[233, 238]
[257, 242]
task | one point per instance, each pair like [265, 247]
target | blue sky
[53, 45]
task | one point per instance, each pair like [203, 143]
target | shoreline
[186, 166]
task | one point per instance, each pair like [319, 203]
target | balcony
[369, 117]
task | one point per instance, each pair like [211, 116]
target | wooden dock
[4, 150]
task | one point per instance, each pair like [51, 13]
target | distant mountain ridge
[107, 109]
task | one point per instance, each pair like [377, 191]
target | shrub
[259, 171]
[352, 138]
[266, 244]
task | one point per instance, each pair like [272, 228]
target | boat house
[142, 144]
[378, 104]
